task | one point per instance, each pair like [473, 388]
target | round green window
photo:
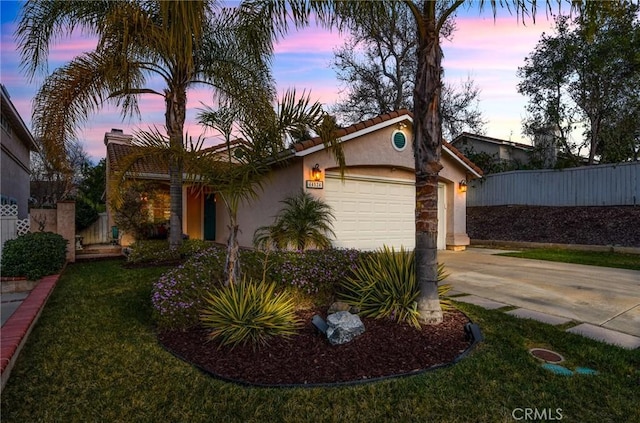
[399, 140]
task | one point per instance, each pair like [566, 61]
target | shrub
[86, 214]
[248, 312]
[34, 255]
[384, 286]
[158, 251]
[313, 272]
[178, 296]
[318, 270]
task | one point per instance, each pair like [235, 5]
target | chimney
[117, 136]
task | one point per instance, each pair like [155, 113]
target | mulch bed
[385, 349]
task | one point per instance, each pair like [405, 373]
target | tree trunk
[232, 264]
[427, 148]
[176, 106]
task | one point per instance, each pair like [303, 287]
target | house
[17, 145]
[373, 205]
[504, 151]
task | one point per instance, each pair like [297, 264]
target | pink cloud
[310, 40]
[482, 43]
[70, 48]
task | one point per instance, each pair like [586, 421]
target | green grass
[93, 356]
[594, 258]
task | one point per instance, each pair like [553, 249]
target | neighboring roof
[17, 124]
[491, 141]
[374, 124]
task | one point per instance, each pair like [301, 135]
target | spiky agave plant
[248, 313]
[384, 286]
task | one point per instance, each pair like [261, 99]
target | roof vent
[117, 131]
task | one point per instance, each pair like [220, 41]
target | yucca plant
[248, 312]
[384, 286]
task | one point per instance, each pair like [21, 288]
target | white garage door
[372, 212]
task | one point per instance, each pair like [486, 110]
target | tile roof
[116, 151]
[300, 146]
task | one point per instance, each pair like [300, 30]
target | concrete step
[91, 252]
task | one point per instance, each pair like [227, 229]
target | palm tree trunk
[427, 148]
[232, 265]
[176, 104]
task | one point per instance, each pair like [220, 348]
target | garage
[372, 212]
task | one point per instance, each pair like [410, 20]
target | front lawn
[93, 356]
[594, 258]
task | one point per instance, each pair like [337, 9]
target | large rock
[343, 327]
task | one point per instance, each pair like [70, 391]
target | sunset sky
[487, 50]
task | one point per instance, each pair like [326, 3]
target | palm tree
[303, 221]
[239, 171]
[430, 18]
[140, 45]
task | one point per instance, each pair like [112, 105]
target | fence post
[66, 223]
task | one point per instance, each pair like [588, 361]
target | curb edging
[16, 330]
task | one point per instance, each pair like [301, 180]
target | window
[399, 140]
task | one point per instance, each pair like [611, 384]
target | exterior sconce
[401, 126]
[462, 186]
[316, 173]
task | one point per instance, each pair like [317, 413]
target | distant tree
[90, 198]
[588, 75]
[92, 187]
[377, 65]
[50, 183]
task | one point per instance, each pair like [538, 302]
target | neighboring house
[374, 204]
[500, 150]
[17, 144]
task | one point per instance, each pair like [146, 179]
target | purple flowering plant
[178, 295]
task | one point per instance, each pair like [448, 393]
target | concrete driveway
[602, 296]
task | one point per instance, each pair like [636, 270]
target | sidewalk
[603, 302]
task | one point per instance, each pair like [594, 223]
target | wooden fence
[602, 185]
[97, 233]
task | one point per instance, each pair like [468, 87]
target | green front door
[210, 217]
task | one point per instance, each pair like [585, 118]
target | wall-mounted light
[462, 185]
[316, 173]
[401, 126]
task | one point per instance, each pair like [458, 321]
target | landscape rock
[343, 327]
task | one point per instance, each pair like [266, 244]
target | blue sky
[487, 50]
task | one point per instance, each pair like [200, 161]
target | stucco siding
[252, 214]
[15, 172]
